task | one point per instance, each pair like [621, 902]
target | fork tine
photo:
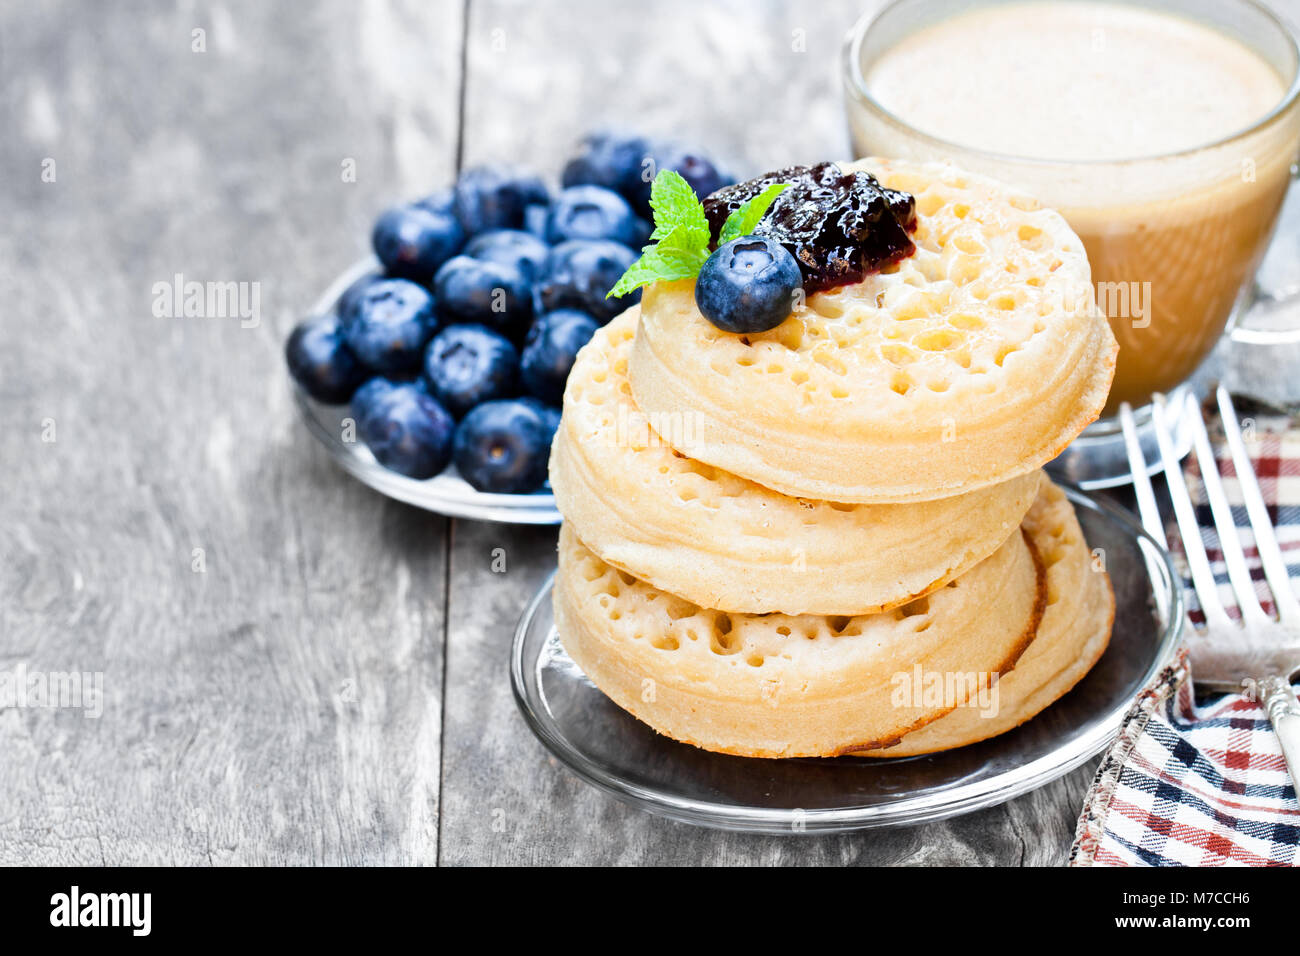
[1203, 582]
[1137, 465]
[1146, 497]
[1270, 555]
[1224, 523]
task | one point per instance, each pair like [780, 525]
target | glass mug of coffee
[1165, 131]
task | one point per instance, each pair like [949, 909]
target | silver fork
[1258, 655]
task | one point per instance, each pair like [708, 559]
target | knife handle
[1279, 702]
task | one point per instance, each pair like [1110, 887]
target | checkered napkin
[1204, 783]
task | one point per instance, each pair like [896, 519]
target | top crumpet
[972, 360]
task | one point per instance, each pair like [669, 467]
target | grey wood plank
[725, 76]
[283, 705]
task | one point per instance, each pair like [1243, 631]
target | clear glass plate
[614, 751]
[447, 493]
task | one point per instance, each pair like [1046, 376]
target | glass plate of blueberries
[434, 370]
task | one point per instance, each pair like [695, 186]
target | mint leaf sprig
[680, 240]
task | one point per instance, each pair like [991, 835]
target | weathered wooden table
[296, 669]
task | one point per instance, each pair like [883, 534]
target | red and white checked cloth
[1190, 784]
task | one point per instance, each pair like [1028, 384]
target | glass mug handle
[1270, 312]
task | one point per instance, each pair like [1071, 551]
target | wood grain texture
[333, 686]
[284, 705]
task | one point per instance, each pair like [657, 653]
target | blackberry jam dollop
[838, 226]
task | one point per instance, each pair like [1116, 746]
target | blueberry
[641, 234]
[466, 365]
[704, 177]
[612, 159]
[592, 212]
[487, 293]
[388, 324]
[366, 399]
[494, 197]
[348, 300]
[748, 285]
[698, 171]
[628, 164]
[512, 247]
[442, 202]
[553, 344]
[321, 362]
[404, 427]
[504, 446]
[412, 241]
[535, 220]
[580, 272]
[552, 416]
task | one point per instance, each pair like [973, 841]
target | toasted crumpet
[1071, 638]
[726, 543]
[974, 361]
[778, 685]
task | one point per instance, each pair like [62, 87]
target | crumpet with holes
[973, 361]
[726, 543]
[778, 685]
[1074, 632]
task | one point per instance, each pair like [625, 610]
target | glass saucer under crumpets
[613, 751]
[446, 493]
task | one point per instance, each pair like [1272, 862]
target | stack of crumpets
[834, 536]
